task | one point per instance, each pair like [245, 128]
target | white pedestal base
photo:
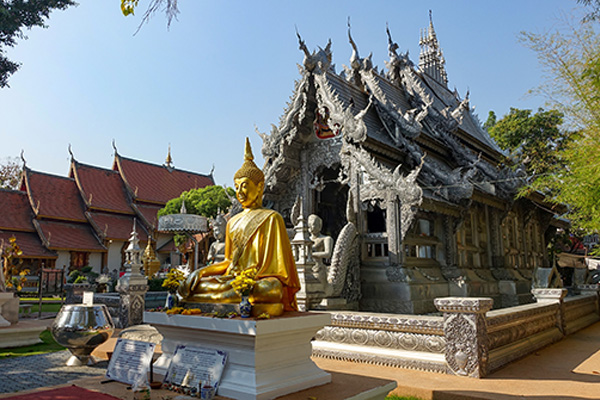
[266, 358]
[21, 334]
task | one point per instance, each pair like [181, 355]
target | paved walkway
[30, 372]
[567, 370]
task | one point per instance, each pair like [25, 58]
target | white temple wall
[95, 261]
[114, 257]
[63, 260]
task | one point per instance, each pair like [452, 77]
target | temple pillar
[553, 296]
[465, 329]
[394, 229]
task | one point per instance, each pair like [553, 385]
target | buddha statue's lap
[255, 239]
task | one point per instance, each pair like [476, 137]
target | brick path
[30, 372]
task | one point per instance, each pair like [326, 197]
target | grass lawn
[396, 397]
[30, 299]
[46, 307]
[48, 346]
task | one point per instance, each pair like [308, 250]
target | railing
[405, 341]
[580, 311]
[469, 339]
[375, 246]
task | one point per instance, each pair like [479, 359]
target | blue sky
[226, 66]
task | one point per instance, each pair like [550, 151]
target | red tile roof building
[87, 217]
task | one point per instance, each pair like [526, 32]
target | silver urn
[81, 329]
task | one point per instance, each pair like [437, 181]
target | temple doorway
[330, 202]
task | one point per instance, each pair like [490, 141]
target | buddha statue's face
[248, 193]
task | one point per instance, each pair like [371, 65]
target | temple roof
[156, 184]
[167, 247]
[29, 243]
[114, 227]
[148, 212]
[68, 236]
[53, 196]
[101, 189]
[15, 211]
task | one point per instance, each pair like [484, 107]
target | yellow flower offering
[244, 282]
[173, 280]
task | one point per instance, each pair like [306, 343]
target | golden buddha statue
[255, 238]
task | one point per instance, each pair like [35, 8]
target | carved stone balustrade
[405, 341]
[465, 330]
[580, 311]
[470, 340]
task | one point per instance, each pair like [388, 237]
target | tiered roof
[53, 196]
[15, 211]
[110, 226]
[78, 213]
[57, 235]
[101, 189]
[157, 184]
[16, 220]
[403, 115]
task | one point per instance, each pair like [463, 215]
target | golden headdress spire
[249, 168]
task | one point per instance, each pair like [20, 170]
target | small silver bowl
[81, 329]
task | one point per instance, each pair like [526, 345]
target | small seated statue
[322, 247]
[255, 238]
[216, 252]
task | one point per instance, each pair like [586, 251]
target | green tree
[491, 121]
[594, 6]
[16, 15]
[533, 141]
[570, 57]
[206, 201]
[10, 174]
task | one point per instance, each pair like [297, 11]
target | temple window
[375, 239]
[468, 239]
[420, 242]
[534, 246]
[511, 241]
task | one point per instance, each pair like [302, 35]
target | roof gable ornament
[431, 58]
[397, 61]
[317, 61]
[357, 64]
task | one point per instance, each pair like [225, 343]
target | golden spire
[249, 168]
[169, 160]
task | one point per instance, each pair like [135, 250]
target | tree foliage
[594, 6]
[10, 174]
[206, 201]
[170, 8]
[534, 141]
[570, 57]
[17, 15]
